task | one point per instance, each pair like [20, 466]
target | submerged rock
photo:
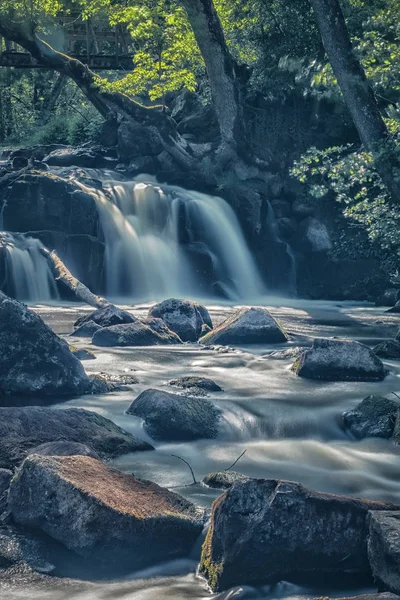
[375, 416]
[82, 354]
[384, 549]
[23, 429]
[263, 530]
[223, 480]
[171, 417]
[105, 317]
[288, 354]
[64, 448]
[247, 326]
[37, 362]
[201, 383]
[101, 513]
[86, 330]
[339, 360]
[389, 350]
[134, 334]
[184, 317]
[23, 551]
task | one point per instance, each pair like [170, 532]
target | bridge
[93, 42]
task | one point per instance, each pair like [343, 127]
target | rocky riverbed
[290, 427]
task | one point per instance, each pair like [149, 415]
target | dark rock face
[202, 383]
[23, 552]
[105, 317]
[64, 448]
[5, 479]
[172, 417]
[339, 360]
[247, 326]
[384, 549]
[223, 480]
[101, 513]
[86, 330]
[389, 350]
[23, 429]
[263, 530]
[38, 362]
[90, 158]
[375, 416]
[184, 317]
[134, 334]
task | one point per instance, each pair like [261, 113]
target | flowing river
[289, 427]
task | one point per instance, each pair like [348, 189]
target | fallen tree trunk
[63, 275]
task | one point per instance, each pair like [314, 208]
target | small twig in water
[394, 394]
[237, 460]
[186, 463]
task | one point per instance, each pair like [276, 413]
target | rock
[102, 514]
[38, 362]
[313, 236]
[339, 360]
[100, 385]
[263, 530]
[5, 478]
[81, 353]
[105, 317]
[384, 549]
[184, 317]
[86, 330]
[171, 417]
[303, 208]
[64, 448]
[89, 158]
[389, 297]
[223, 480]
[395, 308]
[375, 416]
[281, 208]
[205, 329]
[247, 326]
[23, 551]
[288, 354]
[25, 428]
[389, 350]
[134, 334]
[196, 382]
[135, 140]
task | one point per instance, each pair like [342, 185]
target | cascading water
[162, 240]
[28, 274]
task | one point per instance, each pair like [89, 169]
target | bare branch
[237, 460]
[186, 463]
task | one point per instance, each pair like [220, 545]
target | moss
[211, 569]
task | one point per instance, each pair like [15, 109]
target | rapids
[289, 427]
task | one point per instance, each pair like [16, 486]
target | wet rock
[38, 362]
[388, 298]
[375, 416]
[395, 308]
[86, 330]
[184, 317]
[384, 549]
[24, 551]
[288, 354]
[202, 383]
[101, 385]
[223, 480]
[5, 479]
[389, 350]
[64, 448]
[101, 513]
[171, 417]
[339, 360]
[105, 317]
[86, 157]
[25, 428]
[313, 236]
[134, 334]
[205, 329]
[247, 326]
[81, 353]
[263, 530]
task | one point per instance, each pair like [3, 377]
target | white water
[29, 275]
[151, 231]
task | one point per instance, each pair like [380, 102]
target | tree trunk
[223, 72]
[357, 93]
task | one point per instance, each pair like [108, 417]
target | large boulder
[184, 317]
[135, 334]
[171, 417]
[34, 360]
[263, 530]
[105, 317]
[389, 350]
[384, 549]
[247, 326]
[339, 360]
[64, 448]
[375, 416]
[102, 514]
[22, 553]
[24, 428]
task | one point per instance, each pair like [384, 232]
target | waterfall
[28, 274]
[162, 240]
